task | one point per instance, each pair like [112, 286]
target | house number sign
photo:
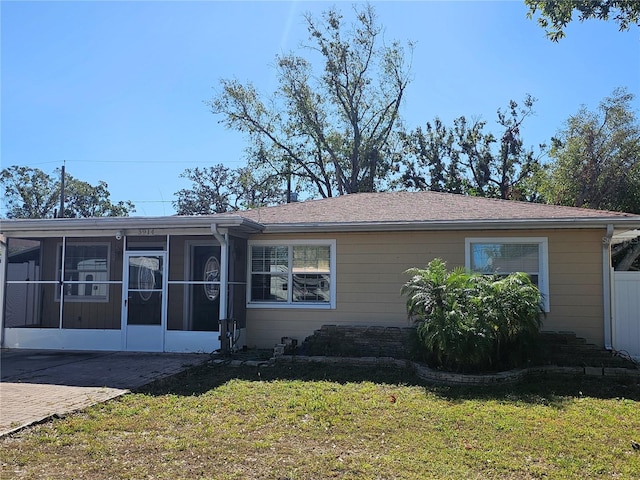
[145, 231]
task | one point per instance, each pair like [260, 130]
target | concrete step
[567, 349]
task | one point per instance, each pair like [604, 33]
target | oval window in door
[212, 278]
[146, 278]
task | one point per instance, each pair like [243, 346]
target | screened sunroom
[163, 285]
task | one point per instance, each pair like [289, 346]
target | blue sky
[117, 89]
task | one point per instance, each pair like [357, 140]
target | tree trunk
[630, 257]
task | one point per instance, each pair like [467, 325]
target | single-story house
[186, 283]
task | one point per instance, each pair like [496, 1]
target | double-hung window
[502, 256]
[292, 274]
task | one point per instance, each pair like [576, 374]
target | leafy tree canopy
[32, 193]
[556, 15]
[596, 158]
[466, 159]
[329, 129]
[596, 164]
[219, 189]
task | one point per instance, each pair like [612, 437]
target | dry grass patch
[316, 421]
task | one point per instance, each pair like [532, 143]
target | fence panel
[626, 326]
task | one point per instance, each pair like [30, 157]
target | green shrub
[468, 321]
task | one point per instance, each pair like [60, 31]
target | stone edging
[446, 378]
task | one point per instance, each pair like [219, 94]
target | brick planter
[360, 341]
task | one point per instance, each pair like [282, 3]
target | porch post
[224, 277]
[61, 285]
[3, 284]
[222, 235]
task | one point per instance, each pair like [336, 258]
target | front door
[144, 303]
[205, 299]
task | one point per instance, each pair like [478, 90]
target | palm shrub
[468, 321]
[517, 303]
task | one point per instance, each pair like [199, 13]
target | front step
[567, 349]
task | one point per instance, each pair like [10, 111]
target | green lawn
[318, 421]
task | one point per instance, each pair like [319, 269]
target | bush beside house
[473, 322]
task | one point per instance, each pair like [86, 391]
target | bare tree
[330, 130]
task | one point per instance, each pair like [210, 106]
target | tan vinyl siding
[371, 271]
[575, 283]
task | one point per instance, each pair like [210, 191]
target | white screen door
[144, 303]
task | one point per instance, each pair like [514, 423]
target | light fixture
[119, 235]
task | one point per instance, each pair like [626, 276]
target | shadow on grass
[551, 390]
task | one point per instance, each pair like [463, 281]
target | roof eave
[202, 225]
[128, 225]
[511, 224]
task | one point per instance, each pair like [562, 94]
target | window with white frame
[502, 256]
[292, 274]
[86, 272]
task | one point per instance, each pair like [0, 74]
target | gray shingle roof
[418, 207]
[349, 213]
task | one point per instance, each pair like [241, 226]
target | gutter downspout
[61, 285]
[607, 274]
[3, 284]
[222, 235]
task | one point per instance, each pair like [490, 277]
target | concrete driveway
[39, 384]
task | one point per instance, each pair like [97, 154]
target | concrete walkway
[39, 384]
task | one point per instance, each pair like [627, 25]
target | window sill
[287, 306]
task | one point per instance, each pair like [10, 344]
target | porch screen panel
[86, 272]
[92, 278]
[237, 299]
[25, 306]
[95, 315]
[238, 303]
[147, 242]
[191, 316]
[194, 300]
[31, 284]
